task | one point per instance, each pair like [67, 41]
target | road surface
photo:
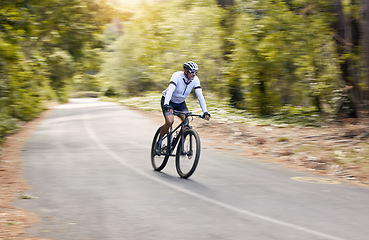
[89, 167]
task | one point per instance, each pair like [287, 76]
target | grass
[221, 111]
[25, 197]
[305, 148]
[282, 139]
[357, 156]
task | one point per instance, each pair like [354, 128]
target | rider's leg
[169, 119]
[183, 117]
[183, 108]
[163, 130]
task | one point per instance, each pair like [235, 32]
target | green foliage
[284, 57]
[22, 88]
[25, 91]
[157, 41]
[85, 94]
[7, 125]
[43, 44]
[264, 54]
[110, 92]
[298, 115]
[61, 71]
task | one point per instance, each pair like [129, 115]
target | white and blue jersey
[180, 87]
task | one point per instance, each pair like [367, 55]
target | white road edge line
[91, 133]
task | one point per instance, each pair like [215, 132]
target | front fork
[185, 127]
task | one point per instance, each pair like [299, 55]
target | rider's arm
[201, 98]
[169, 94]
[169, 91]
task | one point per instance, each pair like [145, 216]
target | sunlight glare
[131, 2]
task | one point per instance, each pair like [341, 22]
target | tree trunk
[234, 84]
[365, 40]
[346, 37]
[225, 3]
[227, 23]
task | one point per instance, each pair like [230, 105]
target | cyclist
[180, 86]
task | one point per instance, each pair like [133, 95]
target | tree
[282, 56]
[345, 47]
[227, 23]
[365, 40]
[351, 34]
[42, 43]
[156, 42]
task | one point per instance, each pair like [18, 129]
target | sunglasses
[192, 72]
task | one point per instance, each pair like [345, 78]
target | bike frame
[183, 125]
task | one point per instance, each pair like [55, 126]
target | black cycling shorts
[182, 107]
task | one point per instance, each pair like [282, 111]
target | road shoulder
[14, 221]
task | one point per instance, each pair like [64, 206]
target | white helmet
[191, 67]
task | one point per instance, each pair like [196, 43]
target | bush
[85, 94]
[7, 125]
[110, 92]
[306, 116]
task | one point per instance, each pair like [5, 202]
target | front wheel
[159, 161]
[188, 154]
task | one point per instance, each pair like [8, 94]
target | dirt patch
[339, 151]
[14, 221]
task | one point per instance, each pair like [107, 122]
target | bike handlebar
[187, 114]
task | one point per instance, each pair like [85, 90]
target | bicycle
[186, 140]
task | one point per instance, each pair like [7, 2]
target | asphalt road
[89, 167]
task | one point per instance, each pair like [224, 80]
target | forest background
[268, 57]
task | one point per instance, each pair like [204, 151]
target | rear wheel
[159, 162]
[188, 157]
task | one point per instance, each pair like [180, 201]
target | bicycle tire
[187, 159]
[159, 162]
